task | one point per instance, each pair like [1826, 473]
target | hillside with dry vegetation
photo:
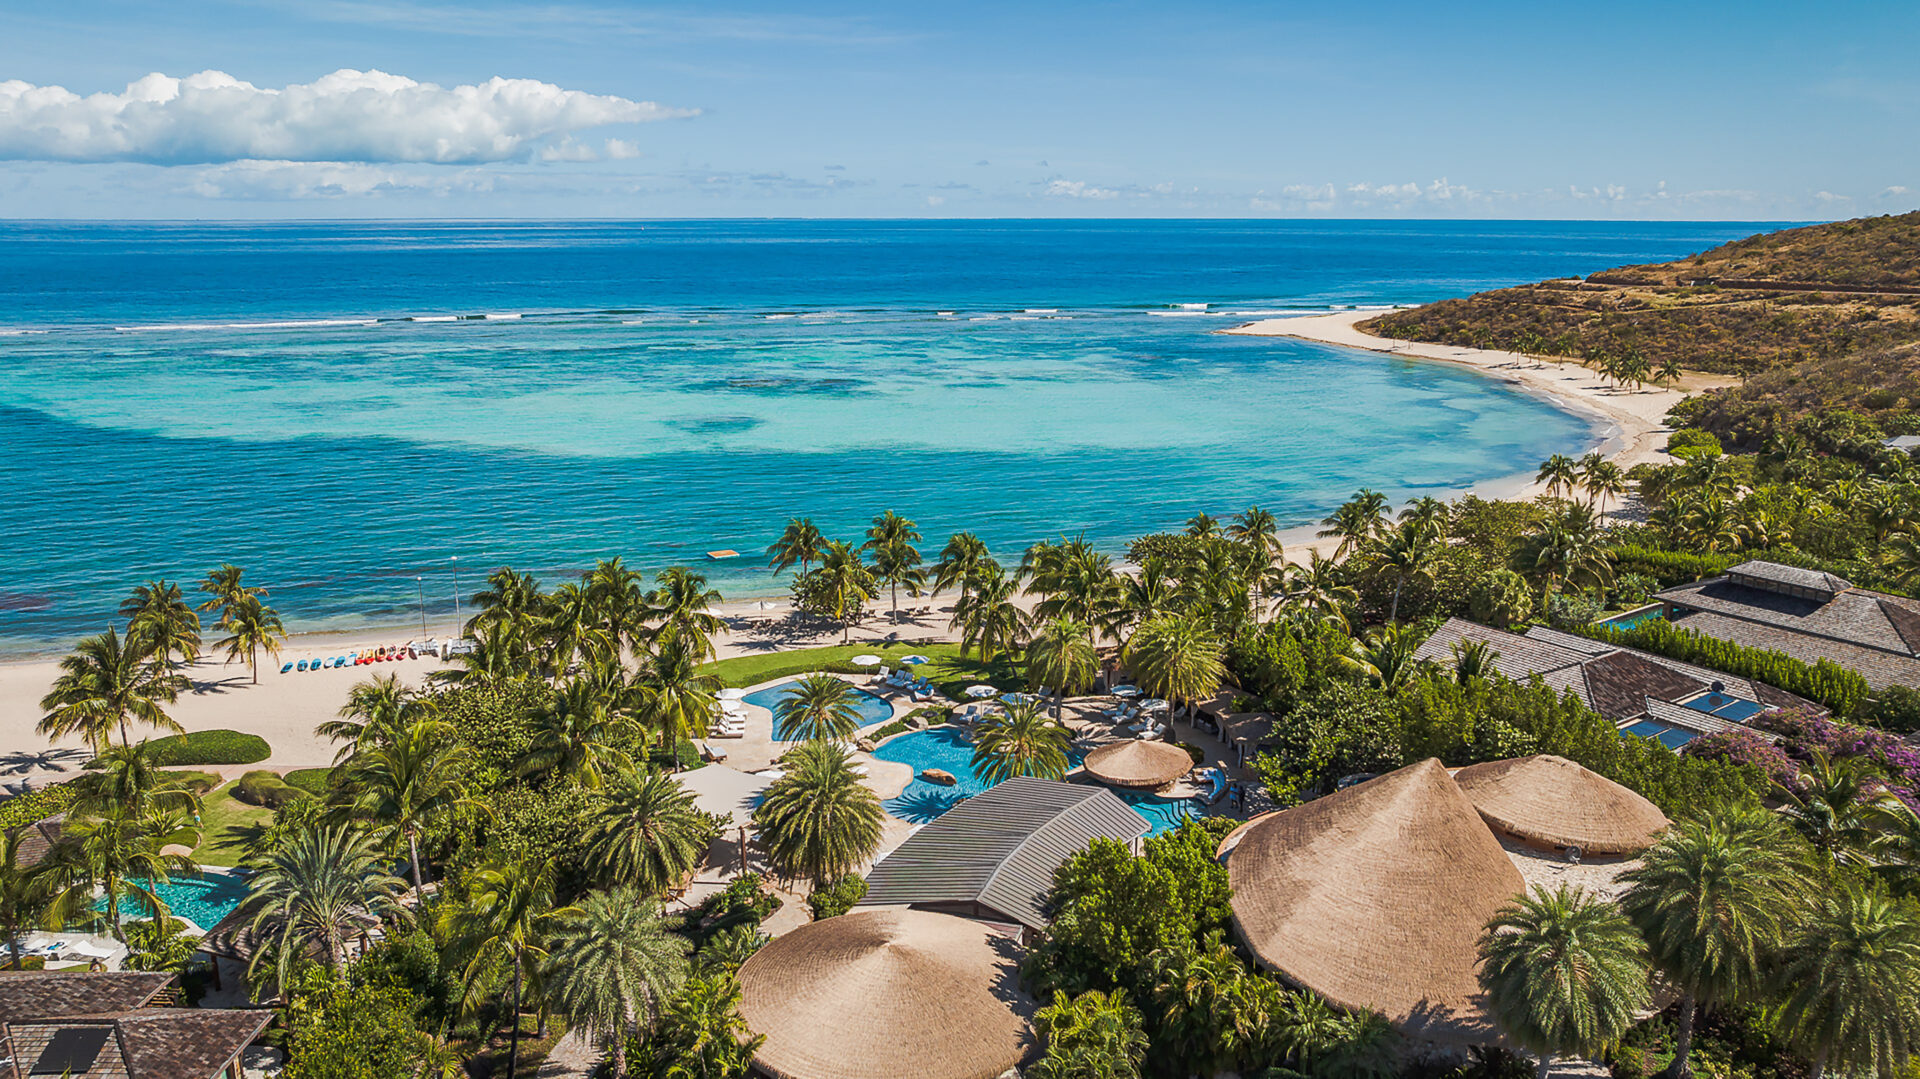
[1764, 303]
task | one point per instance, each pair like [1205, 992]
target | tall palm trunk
[1399, 583]
[413, 854]
[110, 884]
[1683, 1039]
[1541, 1069]
[513, 1016]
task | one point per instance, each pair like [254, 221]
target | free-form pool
[201, 900]
[872, 707]
[949, 749]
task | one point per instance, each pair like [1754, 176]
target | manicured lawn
[226, 825]
[948, 671]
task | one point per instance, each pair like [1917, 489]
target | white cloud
[1079, 189]
[353, 116]
[283, 180]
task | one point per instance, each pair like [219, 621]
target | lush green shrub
[1668, 567]
[209, 747]
[267, 789]
[1824, 681]
[35, 805]
[1501, 598]
[312, 780]
[1282, 665]
[342, 1031]
[197, 782]
[1691, 442]
[898, 726]
[684, 758]
[1895, 708]
[1571, 612]
[837, 898]
[1342, 730]
[495, 722]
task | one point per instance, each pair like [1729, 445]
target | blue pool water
[872, 708]
[660, 389]
[203, 900]
[949, 749]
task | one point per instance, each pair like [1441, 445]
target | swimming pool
[201, 900]
[949, 749]
[872, 707]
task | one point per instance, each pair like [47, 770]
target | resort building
[1374, 897]
[993, 856]
[1808, 615]
[881, 994]
[105, 1026]
[1639, 692]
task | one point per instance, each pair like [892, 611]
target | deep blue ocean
[342, 408]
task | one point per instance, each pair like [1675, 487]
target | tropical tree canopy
[818, 822]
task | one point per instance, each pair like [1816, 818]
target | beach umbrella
[981, 691]
[866, 661]
[1019, 698]
[1153, 704]
[1126, 691]
[732, 693]
[915, 660]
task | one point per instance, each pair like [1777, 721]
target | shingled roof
[999, 850]
[99, 1025]
[1807, 615]
[38, 838]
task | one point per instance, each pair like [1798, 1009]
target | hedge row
[1825, 681]
[312, 780]
[36, 805]
[1668, 567]
[209, 747]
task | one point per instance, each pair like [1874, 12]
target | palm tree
[1258, 533]
[1852, 983]
[509, 599]
[160, 623]
[1061, 655]
[674, 695]
[1900, 555]
[1603, 480]
[1383, 657]
[684, 605]
[1409, 551]
[647, 832]
[1020, 740]
[105, 683]
[315, 890]
[375, 710]
[818, 821]
[1428, 511]
[801, 543]
[895, 560]
[1176, 657]
[846, 583]
[1560, 474]
[1076, 581]
[611, 963]
[116, 853]
[989, 622]
[1669, 371]
[501, 921]
[223, 588]
[502, 653]
[24, 892]
[619, 603]
[1713, 899]
[251, 626]
[964, 555]
[1359, 519]
[576, 735]
[1566, 551]
[1319, 586]
[819, 707]
[128, 777]
[1473, 661]
[1203, 526]
[1836, 805]
[407, 784]
[1564, 973]
[1103, 1031]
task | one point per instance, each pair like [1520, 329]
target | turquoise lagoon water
[203, 900]
[872, 707]
[342, 408]
[949, 749]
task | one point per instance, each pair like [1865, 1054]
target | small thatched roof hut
[886, 993]
[1375, 897]
[1138, 763]
[1554, 802]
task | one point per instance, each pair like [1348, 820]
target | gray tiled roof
[1516, 657]
[143, 1042]
[1000, 848]
[38, 994]
[1773, 573]
[1880, 668]
[1857, 617]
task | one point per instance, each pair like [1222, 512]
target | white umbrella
[1019, 698]
[981, 691]
[1153, 705]
[732, 693]
[916, 660]
[1126, 691]
[866, 661]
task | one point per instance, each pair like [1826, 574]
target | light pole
[456, 596]
[422, 586]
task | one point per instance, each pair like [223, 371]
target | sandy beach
[284, 709]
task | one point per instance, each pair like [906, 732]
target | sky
[251, 109]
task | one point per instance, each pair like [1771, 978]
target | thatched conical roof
[1552, 800]
[1375, 897]
[1138, 763]
[887, 993]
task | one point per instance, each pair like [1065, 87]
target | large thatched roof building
[887, 993]
[1138, 762]
[1552, 802]
[1375, 897]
